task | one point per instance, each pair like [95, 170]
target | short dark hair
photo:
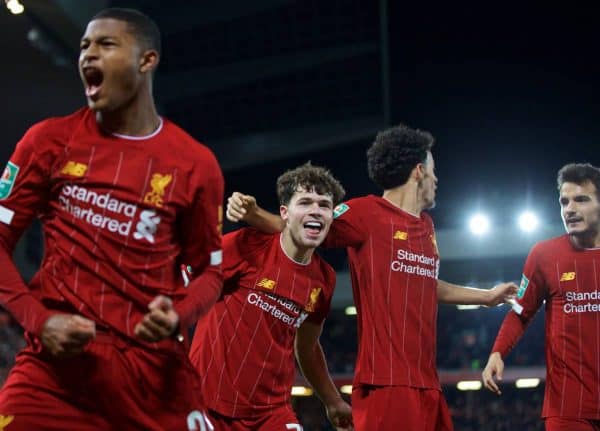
[579, 173]
[310, 178]
[141, 26]
[395, 153]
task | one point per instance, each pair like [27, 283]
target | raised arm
[311, 359]
[241, 207]
[454, 294]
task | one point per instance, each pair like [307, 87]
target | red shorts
[110, 386]
[567, 424]
[393, 408]
[279, 419]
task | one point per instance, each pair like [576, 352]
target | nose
[89, 53]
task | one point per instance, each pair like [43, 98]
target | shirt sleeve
[24, 193]
[348, 227]
[201, 237]
[530, 296]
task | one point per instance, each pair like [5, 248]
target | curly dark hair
[311, 178]
[579, 173]
[395, 153]
[143, 28]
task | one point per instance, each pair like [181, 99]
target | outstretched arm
[241, 207]
[311, 359]
[454, 294]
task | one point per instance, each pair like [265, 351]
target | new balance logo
[401, 235]
[567, 276]
[74, 169]
[265, 283]
[147, 226]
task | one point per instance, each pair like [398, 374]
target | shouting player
[125, 197]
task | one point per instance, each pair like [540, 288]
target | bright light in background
[527, 383]
[301, 391]
[14, 6]
[528, 221]
[346, 389]
[479, 224]
[350, 311]
[468, 385]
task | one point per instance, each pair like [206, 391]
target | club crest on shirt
[401, 235]
[7, 181]
[312, 300]
[567, 276]
[266, 283]
[158, 183]
[340, 209]
[74, 169]
[522, 286]
[5, 421]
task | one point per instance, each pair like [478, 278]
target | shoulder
[354, 206]
[56, 127]
[559, 243]
[248, 239]
[50, 136]
[183, 142]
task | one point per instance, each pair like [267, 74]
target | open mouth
[313, 227]
[93, 81]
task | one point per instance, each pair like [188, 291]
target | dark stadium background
[509, 91]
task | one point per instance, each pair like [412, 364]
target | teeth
[313, 225]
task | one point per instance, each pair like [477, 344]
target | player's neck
[300, 255]
[405, 197]
[137, 118]
[585, 241]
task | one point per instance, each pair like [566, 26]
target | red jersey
[243, 348]
[120, 215]
[394, 267]
[568, 280]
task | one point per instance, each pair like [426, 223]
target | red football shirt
[243, 348]
[394, 266]
[568, 280]
[120, 215]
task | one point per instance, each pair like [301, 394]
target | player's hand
[240, 206]
[502, 293]
[160, 322]
[494, 368]
[66, 335]
[339, 414]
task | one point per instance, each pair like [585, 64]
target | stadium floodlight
[479, 224]
[528, 221]
[14, 6]
[301, 391]
[468, 385]
[350, 311]
[527, 383]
